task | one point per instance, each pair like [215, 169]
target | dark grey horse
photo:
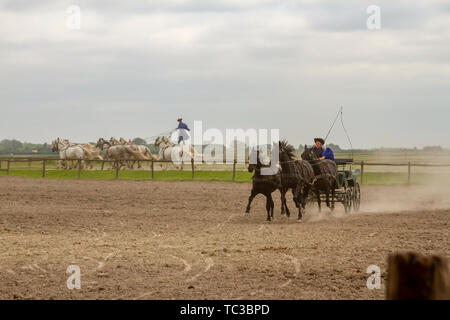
[264, 184]
[297, 175]
[325, 172]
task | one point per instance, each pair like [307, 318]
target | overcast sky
[136, 66]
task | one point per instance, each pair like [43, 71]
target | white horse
[178, 154]
[136, 147]
[119, 152]
[92, 151]
[68, 151]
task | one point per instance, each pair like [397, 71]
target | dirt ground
[191, 240]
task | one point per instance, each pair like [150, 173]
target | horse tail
[87, 153]
[153, 156]
[137, 154]
[149, 153]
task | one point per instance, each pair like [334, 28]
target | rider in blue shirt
[181, 130]
[327, 154]
[320, 152]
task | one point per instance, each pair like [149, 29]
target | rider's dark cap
[320, 140]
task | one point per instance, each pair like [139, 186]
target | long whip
[339, 112]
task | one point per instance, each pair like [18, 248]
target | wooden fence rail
[45, 161]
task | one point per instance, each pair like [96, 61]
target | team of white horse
[124, 153]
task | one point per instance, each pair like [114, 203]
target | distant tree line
[8, 147]
[17, 147]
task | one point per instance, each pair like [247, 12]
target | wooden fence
[79, 162]
[361, 164]
[409, 165]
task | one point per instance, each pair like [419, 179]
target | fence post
[7, 167]
[409, 173]
[234, 169]
[0, 163]
[192, 166]
[362, 172]
[43, 168]
[153, 172]
[103, 164]
[117, 170]
[79, 169]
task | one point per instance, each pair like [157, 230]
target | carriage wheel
[356, 197]
[347, 200]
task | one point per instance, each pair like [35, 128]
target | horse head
[286, 151]
[101, 144]
[308, 154]
[254, 163]
[54, 145]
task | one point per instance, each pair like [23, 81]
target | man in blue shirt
[182, 133]
[320, 152]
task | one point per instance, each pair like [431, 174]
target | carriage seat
[342, 161]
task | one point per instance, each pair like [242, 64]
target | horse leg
[288, 213]
[327, 197]
[284, 203]
[268, 205]
[250, 199]
[272, 206]
[296, 192]
[305, 193]
[297, 196]
[318, 199]
[333, 193]
[283, 198]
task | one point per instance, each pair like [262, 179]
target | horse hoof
[300, 220]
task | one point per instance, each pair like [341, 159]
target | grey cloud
[252, 65]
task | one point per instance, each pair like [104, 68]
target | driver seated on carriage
[321, 153]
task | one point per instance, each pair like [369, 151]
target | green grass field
[373, 175]
[241, 176]
[370, 178]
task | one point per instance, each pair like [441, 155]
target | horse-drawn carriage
[348, 191]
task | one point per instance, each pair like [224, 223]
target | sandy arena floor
[191, 240]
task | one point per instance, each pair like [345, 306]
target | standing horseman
[325, 171]
[183, 129]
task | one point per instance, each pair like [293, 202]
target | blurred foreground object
[412, 276]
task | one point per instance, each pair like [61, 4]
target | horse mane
[288, 149]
